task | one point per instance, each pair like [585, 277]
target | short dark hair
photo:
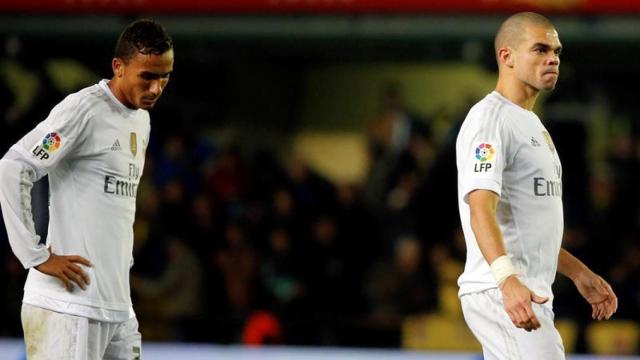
[513, 28]
[143, 36]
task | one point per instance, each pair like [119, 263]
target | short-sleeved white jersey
[504, 148]
[92, 147]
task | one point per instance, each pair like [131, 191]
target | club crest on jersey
[50, 143]
[484, 154]
[133, 143]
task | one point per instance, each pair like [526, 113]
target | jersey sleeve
[15, 197]
[56, 137]
[482, 150]
[32, 157]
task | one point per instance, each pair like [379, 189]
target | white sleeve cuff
[480, 184]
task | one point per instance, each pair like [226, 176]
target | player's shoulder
[488, 110]
[486, 116]
[82, 101]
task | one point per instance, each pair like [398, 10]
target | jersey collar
[104, 84]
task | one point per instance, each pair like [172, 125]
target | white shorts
[501, 340]
[57, 336]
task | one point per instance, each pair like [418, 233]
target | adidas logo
[534, 142]
[116, 146]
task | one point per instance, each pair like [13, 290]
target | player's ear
[505, 56]
[117, 65]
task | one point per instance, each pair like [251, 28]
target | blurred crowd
[237, 247]
[235, 244]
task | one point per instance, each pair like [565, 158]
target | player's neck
[518, 93]
[115, 90]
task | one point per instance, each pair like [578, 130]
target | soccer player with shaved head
[510, 202]
[77, 302]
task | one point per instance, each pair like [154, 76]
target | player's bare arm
[591, 286]
[66, 269]
[517, 297]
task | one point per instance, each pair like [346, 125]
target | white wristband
[502, 268]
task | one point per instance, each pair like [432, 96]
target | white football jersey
[92, 147]
[504, 148]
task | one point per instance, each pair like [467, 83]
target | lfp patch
[51, 142]
[485, 152]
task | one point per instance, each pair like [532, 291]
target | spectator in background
[173, 298]
[283, 210]
[312, 193]
[229, 179]
[175, 163]
[405, 284]
[361, 245]
[395, 133]
[204, 224]
[238, 263]
[396, 128]
[281, 269]
[325, 268]
[282, 277]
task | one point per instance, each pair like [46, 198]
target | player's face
[537, 58]
[143, 78]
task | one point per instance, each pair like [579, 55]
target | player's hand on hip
[66, 268]
[598, 294]
[517, 302]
